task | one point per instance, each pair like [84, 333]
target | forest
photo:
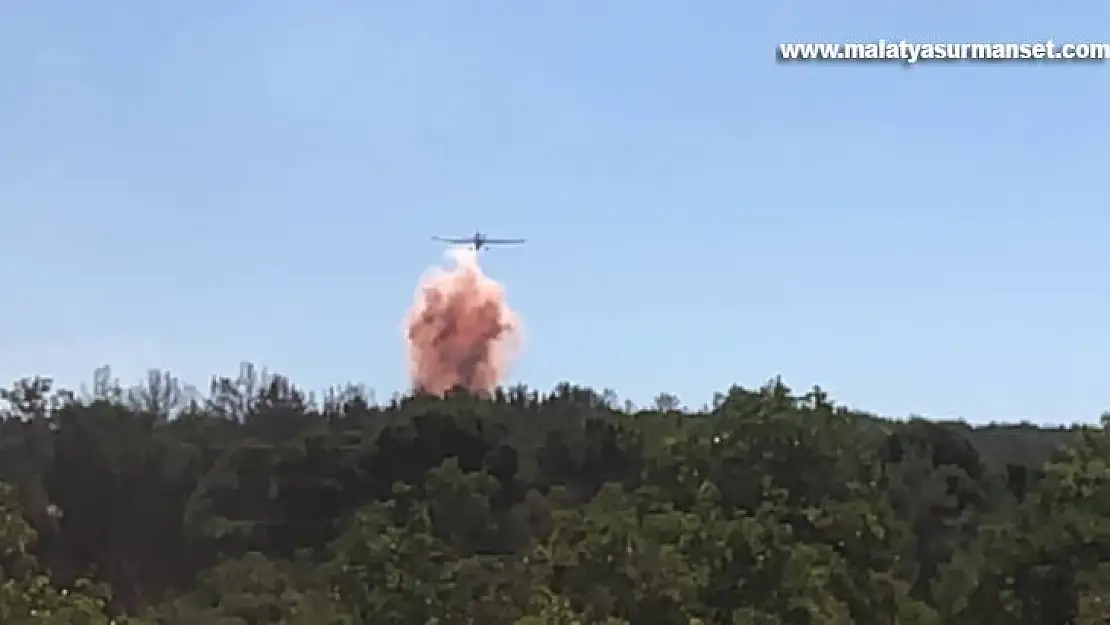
[256, 503]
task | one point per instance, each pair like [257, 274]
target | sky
[191, 185]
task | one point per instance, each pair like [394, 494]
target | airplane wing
[451, 240]
[504, 241]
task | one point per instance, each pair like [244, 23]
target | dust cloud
[460, 331]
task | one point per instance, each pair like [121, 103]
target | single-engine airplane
[479, 241]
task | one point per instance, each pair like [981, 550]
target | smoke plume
[460, 331]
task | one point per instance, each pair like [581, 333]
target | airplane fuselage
[479, 241]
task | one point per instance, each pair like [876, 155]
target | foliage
[261, 504]
[27, 596]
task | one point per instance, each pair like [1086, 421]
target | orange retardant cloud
[460, 331]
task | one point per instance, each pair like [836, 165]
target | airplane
[479, 241]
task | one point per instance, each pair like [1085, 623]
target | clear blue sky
[191, 184]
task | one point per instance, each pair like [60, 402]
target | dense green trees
[259, 504]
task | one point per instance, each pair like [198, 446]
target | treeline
[258, 504]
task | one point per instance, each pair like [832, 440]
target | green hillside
[259, 504]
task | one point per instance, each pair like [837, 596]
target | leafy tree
[27, 595]
[1048, 563]
[259, 504]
